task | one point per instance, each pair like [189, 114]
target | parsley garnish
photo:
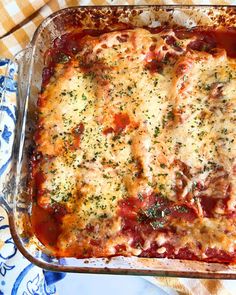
[84, 97]
[156, 131]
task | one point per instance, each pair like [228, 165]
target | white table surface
[88, 284]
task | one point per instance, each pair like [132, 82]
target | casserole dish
[31, 65]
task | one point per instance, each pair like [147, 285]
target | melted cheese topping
[157, 119]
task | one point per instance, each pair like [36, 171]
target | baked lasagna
[135, 145]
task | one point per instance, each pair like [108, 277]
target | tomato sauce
[45, 226]
[120, 122]
[215, 255]
[67, 46]
[77, 133]
[207, 39]
[154, 213]
[208, 205]
[151, 213]
[39, 179]
[46, 222]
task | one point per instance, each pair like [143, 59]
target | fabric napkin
[18, 21]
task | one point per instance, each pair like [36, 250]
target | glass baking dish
[30, 65]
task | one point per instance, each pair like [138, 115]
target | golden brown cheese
[183, 113]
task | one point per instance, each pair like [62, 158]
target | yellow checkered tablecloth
[18, 21]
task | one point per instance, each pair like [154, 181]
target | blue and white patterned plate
[17, 274]
[7, 113]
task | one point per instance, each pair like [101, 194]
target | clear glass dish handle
[12, 119]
